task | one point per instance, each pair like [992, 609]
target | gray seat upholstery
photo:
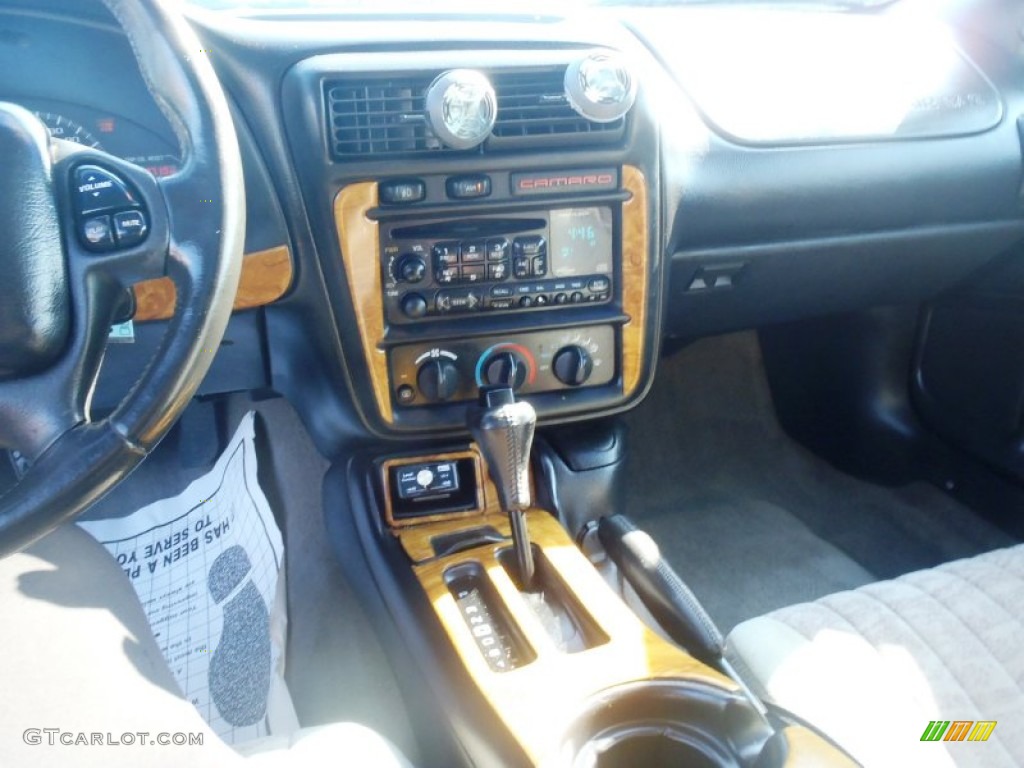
[872, 667]
[77, 655]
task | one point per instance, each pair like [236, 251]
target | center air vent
[533, 110]
[378, 117]
[386, 116]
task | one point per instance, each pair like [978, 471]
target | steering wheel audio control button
[97, 189]
[130, 227]
[97, 234]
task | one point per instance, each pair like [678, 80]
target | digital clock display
[581, 242]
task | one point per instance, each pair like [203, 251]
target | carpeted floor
[750, 519]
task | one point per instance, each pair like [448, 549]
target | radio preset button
[446, 254]
[497, 271]
[473, 251]
[473, 274]
[497, 249]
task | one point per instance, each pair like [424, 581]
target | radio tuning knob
[414, 305]
[438, 380]
[573, 365]
[410, 269]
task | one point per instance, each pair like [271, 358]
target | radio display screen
[581, 241]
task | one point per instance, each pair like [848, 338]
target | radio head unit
[549, 259]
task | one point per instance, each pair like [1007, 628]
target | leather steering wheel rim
[205, 209]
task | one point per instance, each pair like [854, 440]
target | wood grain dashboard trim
[635, 277]
[266, 277]
[359, 237]
[535, 700]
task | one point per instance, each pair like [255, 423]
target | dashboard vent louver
[372, 117]
[533, 111]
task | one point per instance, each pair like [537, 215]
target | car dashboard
[441, 210]
[778, 163]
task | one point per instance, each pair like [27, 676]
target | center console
[565, 666]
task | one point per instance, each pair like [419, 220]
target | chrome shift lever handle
[503, 428]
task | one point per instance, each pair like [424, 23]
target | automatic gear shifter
[503, 428]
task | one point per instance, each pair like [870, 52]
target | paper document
[205, 565]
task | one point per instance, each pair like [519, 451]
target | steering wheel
[81, 227]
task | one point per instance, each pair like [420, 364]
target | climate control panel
[542, 361]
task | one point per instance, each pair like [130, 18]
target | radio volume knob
[410, 269]
[573, 365]
[438, 380]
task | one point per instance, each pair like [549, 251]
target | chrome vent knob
[600, 86]
[461, 108]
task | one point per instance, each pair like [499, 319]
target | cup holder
[664, 722]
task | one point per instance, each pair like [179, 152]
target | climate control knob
[573, 365]
[505, 369]
[438, 380]
[410, 269]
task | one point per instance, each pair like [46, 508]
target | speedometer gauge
[121, 136]
[61, 127]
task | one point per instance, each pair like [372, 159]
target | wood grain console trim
[266, 277]
[359, 237]
[536, 700]
[635, 277]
